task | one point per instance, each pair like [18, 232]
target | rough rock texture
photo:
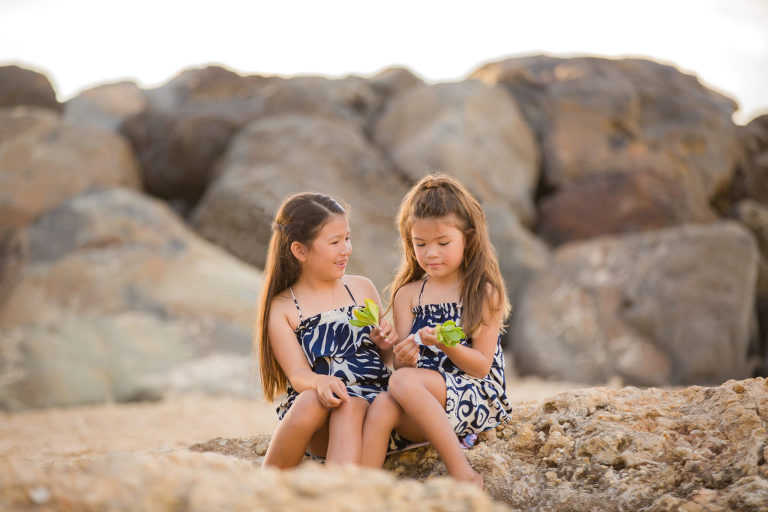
[44, 161]
[105, 106]
[750, 178]
[595, 115]
[193, 482]
[278, 156]
[673, 306]
[120, 301]
[469, 130]
[20, 86]
[13, 250]
[692, 449]
[617, 203]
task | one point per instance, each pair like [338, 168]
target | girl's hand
[381, 333]
[331, 391]
[427, 335]
[407, 352]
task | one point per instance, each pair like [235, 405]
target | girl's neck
[445, 289]
[315, 285]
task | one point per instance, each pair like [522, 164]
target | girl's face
[439, 245]
[329, 252]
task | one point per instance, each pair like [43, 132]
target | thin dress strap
[422, 290]
[349, 292]
[301, 319]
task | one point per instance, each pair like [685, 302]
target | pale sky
[82, 43]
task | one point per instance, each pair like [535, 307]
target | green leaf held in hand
[449, 334]
[367, 315]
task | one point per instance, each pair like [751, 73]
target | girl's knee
[403, 381]
[308, 408]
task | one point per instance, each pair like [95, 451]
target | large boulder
[605, 449]
[278, 156]
[469, 130]
[44, 161]
[189, 122]
[25, 87]
[105, 106]
[594, 116]
[673, 306]
[618, 203]
[120, 301]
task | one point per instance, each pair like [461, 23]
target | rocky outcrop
[473, 131]
[596, 116]
[605, 449]
[278, 156]
[669, 306]
[120, 301]
[188, 123]
[25, 87]
[600, 449]
[44, 161]
[192, 482]
[618, 203]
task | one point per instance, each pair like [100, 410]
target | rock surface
[648, 308]
[44, 161]
[120, 301]
[25, 87]
[193, 482]
[598, 449]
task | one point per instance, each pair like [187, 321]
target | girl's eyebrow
[436, 238]
[338, 235]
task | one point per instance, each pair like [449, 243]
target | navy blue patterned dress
[472, 404]
[334, 347]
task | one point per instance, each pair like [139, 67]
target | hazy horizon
[83, 43]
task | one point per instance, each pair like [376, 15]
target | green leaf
[366, 315]
[449, 334]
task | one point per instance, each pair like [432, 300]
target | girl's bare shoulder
[361, 285]
[407, 293]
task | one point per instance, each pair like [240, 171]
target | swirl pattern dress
[334, 347]
[473, 404]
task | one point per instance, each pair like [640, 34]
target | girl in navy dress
[449, 271]
[330, 370]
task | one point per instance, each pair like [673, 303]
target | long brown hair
[299, 219]
[437, 195]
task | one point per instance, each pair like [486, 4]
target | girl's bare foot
[473, 477]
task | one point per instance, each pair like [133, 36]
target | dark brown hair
[438, 195]
[299, 219]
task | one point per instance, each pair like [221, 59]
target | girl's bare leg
[384, 415]
[297, 430]
[345, 429]
[421, 393]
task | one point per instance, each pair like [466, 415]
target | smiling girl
[329, 369]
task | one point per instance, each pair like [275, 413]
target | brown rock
[120, 301]
[184, 481]
[105, 106]
[44, 161]
[594, 116]
[656, 308]
[278, 156]
[13, 252]
[751, 177]
[469, 130]
[618, 203]
[390, 82]
[604, 449]
[189, 121]
[24, 87]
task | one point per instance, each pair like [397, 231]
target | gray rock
[668, 307]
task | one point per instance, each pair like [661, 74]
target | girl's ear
[299, 251]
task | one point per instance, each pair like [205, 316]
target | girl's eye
[420, 245]
[444, 243]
